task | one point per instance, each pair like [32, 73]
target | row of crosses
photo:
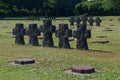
[47, 29]
[84, 20]
[32, 17]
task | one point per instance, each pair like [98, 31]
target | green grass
[51, 61]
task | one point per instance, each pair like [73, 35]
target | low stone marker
[83, 69]
[24, 61]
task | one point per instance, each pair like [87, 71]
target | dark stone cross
[33, 32]
[90, 20]
[63, 34]
[19, 31]
[82, 34]
[84, 20]
[47, 29]
[78, 20]
[98, 21]
[72, 20]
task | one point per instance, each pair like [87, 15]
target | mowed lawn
[52, 61]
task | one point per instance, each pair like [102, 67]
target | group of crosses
[31, 17]
[63, 33]
[84, 19]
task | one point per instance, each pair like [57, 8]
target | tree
[89, 7]
[111, 5]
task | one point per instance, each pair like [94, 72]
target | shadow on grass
[101, 51]
[62, 48]
[33, 46]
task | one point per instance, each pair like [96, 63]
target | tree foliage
[57, 7]
[99, 7]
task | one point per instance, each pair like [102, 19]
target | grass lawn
[51, 61]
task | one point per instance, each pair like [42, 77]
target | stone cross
[78, 20]
[19, 31]
[84, 20]
[98, 21]
[33, 32]
[90, 20]
[72, 20]
[63, 34]
[47, 29]
[82, 34]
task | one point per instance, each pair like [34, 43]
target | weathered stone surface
[63, 34]
[83, 69]
[32, 31]
[87, 34]
[47, 29]
[19, 33]
[24, 61]
[82, 34]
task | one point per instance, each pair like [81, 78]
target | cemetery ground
[51, 62]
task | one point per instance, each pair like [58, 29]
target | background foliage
[15, 8]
